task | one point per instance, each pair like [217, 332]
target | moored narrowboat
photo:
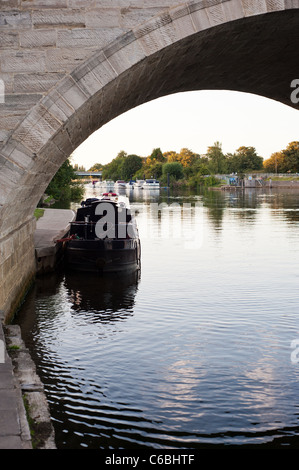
[104, 237]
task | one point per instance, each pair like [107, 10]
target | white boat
[151, 184]
[130, 185]
[139, 184]
[120, 184]
[108, 184]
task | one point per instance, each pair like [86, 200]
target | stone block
[63, 142]
[156, 34]
[290, 4]
[52, 154]
[182, 21]
[15, 20]
[102, 69]
[84, 3]
[200, 19]
[9, 39]
[71, 93]
[10, 118]
[38, 38]
[80, 38]
[254, 7]
[233, 10]
[64, 60]
[275, 5]
[87, 82]
[216, 14]
[36, 130]
[36, 82]
[127, 56]
[65, 17]
[23, 62]
[131, 17]
[4, 135]
[20, 101]
[57, 106]
[74, 130]
[103, 18]
[9, 4]
[20, 156]
[43, 4]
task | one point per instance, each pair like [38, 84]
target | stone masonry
[67, 67]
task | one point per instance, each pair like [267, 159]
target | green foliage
[211, 181]
[157, 155]
[174, 170]
[216, 160]
[291, 157]
[285, 161]
[96, 167]
[64, 185]
[244, 159]
[38, 213]
[113, 170]
[187, 167]
[130, 165]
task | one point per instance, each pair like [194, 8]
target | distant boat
[151, 184]
[104, 237]
[139, 184]
[120, 184]
[108, 184]
[130, 184]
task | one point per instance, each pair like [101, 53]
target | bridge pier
[17, 268]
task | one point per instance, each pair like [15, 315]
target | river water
[199, 350]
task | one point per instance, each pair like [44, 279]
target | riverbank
[25, 421]
[53, 225]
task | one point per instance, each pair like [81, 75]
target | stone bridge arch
[242, 45]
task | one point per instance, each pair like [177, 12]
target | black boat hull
[103, 256]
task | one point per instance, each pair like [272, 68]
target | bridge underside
[255, 54]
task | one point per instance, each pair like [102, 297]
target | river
[199, 350]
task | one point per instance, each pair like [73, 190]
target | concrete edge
[37, 431]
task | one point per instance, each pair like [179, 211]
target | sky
[194, 120]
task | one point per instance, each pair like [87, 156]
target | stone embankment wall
[17, 267]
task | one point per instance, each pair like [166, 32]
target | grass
[38, 213]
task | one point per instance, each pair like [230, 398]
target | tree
[171, 156]
[186, 157]
[96, 167]
[217, 162]
[275, 164]
[113, 170]
[130, 165]
[291, 157]
[245, 159]
[64, 185]
[174, 170]
[157, 155]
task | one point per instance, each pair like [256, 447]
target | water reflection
[195, 353]
[101, 294]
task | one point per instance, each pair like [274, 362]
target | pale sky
[194, 120]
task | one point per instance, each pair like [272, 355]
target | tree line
[184, 165]
[192, 167]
